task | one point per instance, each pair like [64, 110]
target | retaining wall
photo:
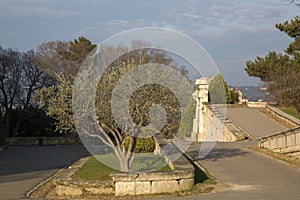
[42, 141]
[216, 128]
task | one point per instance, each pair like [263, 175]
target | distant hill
[255, 93]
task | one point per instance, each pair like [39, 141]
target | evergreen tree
[281, 72]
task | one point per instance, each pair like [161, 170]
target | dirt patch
[291, 160]
[272, 116]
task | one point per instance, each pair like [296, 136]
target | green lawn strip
[291, 111]
[93, 170]
[96, 170]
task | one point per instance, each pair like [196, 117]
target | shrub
[143, 145]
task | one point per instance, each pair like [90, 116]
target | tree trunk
[127, 157]
[7, 123]
[16, 128]
[3, 134]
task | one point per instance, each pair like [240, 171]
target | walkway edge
[28, 193]
[194, 162]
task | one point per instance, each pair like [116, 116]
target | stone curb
[67, 186]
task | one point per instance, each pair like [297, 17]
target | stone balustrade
[283, 142]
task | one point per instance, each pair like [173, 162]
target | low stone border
[66, 186]
[259, 104]
[42, 141]
[181, 177]
[152, 182]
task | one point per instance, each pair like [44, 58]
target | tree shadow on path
[218, 153]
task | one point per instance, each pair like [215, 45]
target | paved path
[254, 122]
[249, 175]
[22, 168]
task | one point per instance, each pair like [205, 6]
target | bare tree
[19, 79]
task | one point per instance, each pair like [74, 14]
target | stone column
[201, 96]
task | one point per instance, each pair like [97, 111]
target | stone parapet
[283, 142]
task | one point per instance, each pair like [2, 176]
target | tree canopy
[61, 60]
[281, 72]
[19, 79]
[57, 99]
[218, 91]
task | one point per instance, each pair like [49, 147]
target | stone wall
[42, 141]
[217, 128]
[258, 104]
[152, 182]
[65, 185]
[283, 142]
[290, 120]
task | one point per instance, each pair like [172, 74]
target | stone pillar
[201, 96]
[240, 96]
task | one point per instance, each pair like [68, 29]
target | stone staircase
[220, 112]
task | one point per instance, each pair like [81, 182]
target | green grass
[291, 111]
[141, 162]
[93, 170]
[96, 170]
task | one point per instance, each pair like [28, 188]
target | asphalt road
[22, 168]
[248, 174]
[254, 122]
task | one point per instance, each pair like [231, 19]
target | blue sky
[232, 31]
